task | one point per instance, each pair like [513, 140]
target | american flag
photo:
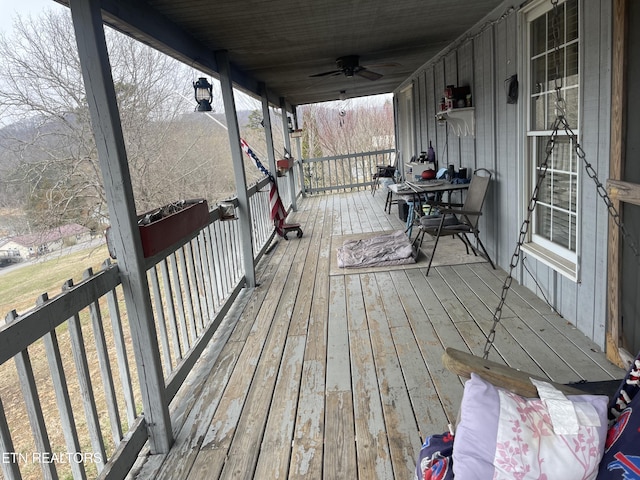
[278, 213]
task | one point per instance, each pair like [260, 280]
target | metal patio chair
[459, 222]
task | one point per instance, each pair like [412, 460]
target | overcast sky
[9, 8]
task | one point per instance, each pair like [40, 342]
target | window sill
[564, 267]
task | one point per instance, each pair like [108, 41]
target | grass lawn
[20, 288]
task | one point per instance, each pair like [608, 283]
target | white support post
[107, 129]
[296, 125]
[244, 210]
[268, 130]
[287, 144]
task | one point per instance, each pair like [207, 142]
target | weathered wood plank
[188, 446]
[276, 446]
[307, 450]
[557, 357]
[374, 459]
[208, 465]
[338, 373]
[427, 409]
[302, 307]
[245, 423]
[340, 451]
[308, 442]
[400, 421]
[446, 383]
[356, 316]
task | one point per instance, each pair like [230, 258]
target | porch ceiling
[281, 43]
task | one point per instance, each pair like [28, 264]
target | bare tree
[340, 128]
[53, 161]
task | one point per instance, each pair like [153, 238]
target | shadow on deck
[319, 375]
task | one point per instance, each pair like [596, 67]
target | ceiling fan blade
[368, 74]
[382, 65]
[325, 74]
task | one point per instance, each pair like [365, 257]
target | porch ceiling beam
[139, 20]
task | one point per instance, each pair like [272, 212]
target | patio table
[419, 192]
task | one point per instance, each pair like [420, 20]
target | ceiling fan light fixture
[349, 66]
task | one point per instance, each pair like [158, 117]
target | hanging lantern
[204, 94]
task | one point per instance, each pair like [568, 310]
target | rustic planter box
[168, 229]
[164, 232]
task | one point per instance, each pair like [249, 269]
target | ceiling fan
[349, 66]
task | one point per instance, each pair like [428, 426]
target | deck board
[325, 377]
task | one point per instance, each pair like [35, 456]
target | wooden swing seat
[517, 381]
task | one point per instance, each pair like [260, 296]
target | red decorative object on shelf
[284, 164]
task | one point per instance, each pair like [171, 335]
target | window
[554, 229]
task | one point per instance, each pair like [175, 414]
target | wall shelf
[461, 120]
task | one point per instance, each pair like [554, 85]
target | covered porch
[323, 373]
[254, 362]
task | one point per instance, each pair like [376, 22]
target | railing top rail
[35, 324]
[351, 155]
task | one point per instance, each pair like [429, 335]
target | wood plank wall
[484, 60]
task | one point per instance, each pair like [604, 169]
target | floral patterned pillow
[504, 436]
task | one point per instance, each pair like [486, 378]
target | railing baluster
[344, 172]
[206, 274]
[219, 258]
[32, 403]
[188, 300]
[177, 289]
[121, 353]
[213, 277]
[105, 365]
[234, 261]
[84, 380]
[196, 282]
[63, 400]
[234, 238]
[171, 310]
[226, 256]
[10, 469]
[157, 301]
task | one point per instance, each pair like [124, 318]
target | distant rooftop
[49, 236]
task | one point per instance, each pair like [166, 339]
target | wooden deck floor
[321, 376]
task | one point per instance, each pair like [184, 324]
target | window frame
[556, 256]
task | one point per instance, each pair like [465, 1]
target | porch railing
[75, 365]
[343, 172]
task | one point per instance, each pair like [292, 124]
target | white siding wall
[484, 60]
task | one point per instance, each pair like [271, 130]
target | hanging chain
[524, 229]
[560, 122]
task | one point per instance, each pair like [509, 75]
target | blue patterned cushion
[621, 460]
[434, 462]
